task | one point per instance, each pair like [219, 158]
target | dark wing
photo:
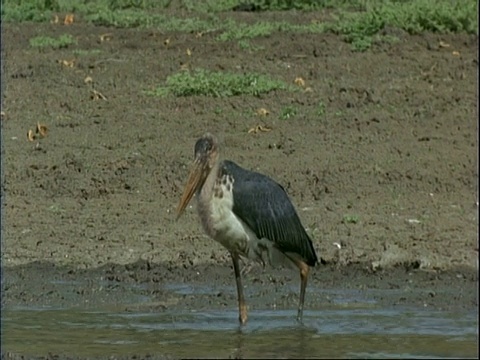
[264, 206]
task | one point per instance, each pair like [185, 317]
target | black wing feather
[264, 206]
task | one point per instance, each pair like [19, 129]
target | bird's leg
[242, 307]
[304, 270]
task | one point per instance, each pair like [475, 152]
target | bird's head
[206, 156]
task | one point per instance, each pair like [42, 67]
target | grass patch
[239, 31]
[208, 6]
[414, 17]
[132, 18]
[62, 41]
[270, 5]
[359, 22]
[218, 84]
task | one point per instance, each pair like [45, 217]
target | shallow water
[349, 328]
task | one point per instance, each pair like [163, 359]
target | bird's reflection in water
[294, 340]
[238, 352]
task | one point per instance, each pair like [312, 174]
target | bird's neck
[204, 199]
[206, 191]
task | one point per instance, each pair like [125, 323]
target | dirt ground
[387, 137]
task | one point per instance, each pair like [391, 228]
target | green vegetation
[218, 84]
[272, 5]
[359, 22]
[41, 10]
[134, 18]
[350, 219]
[414, 17]
[46, 41]
[321, 109]
[246, 45]
[207, 6]
[288, 112]
[238, 31]
[56, 209]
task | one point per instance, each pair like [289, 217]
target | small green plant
[321, 109]
[350, 219]
[218, 84]
[56, 43]
[288, 112]
[56, 209]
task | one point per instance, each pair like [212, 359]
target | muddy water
[347, 328]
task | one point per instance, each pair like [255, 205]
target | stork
[249, 214]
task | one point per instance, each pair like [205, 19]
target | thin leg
[242, 307]
[304, 270]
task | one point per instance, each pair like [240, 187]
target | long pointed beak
[195, 180]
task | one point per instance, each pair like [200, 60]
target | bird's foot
[246, 269]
